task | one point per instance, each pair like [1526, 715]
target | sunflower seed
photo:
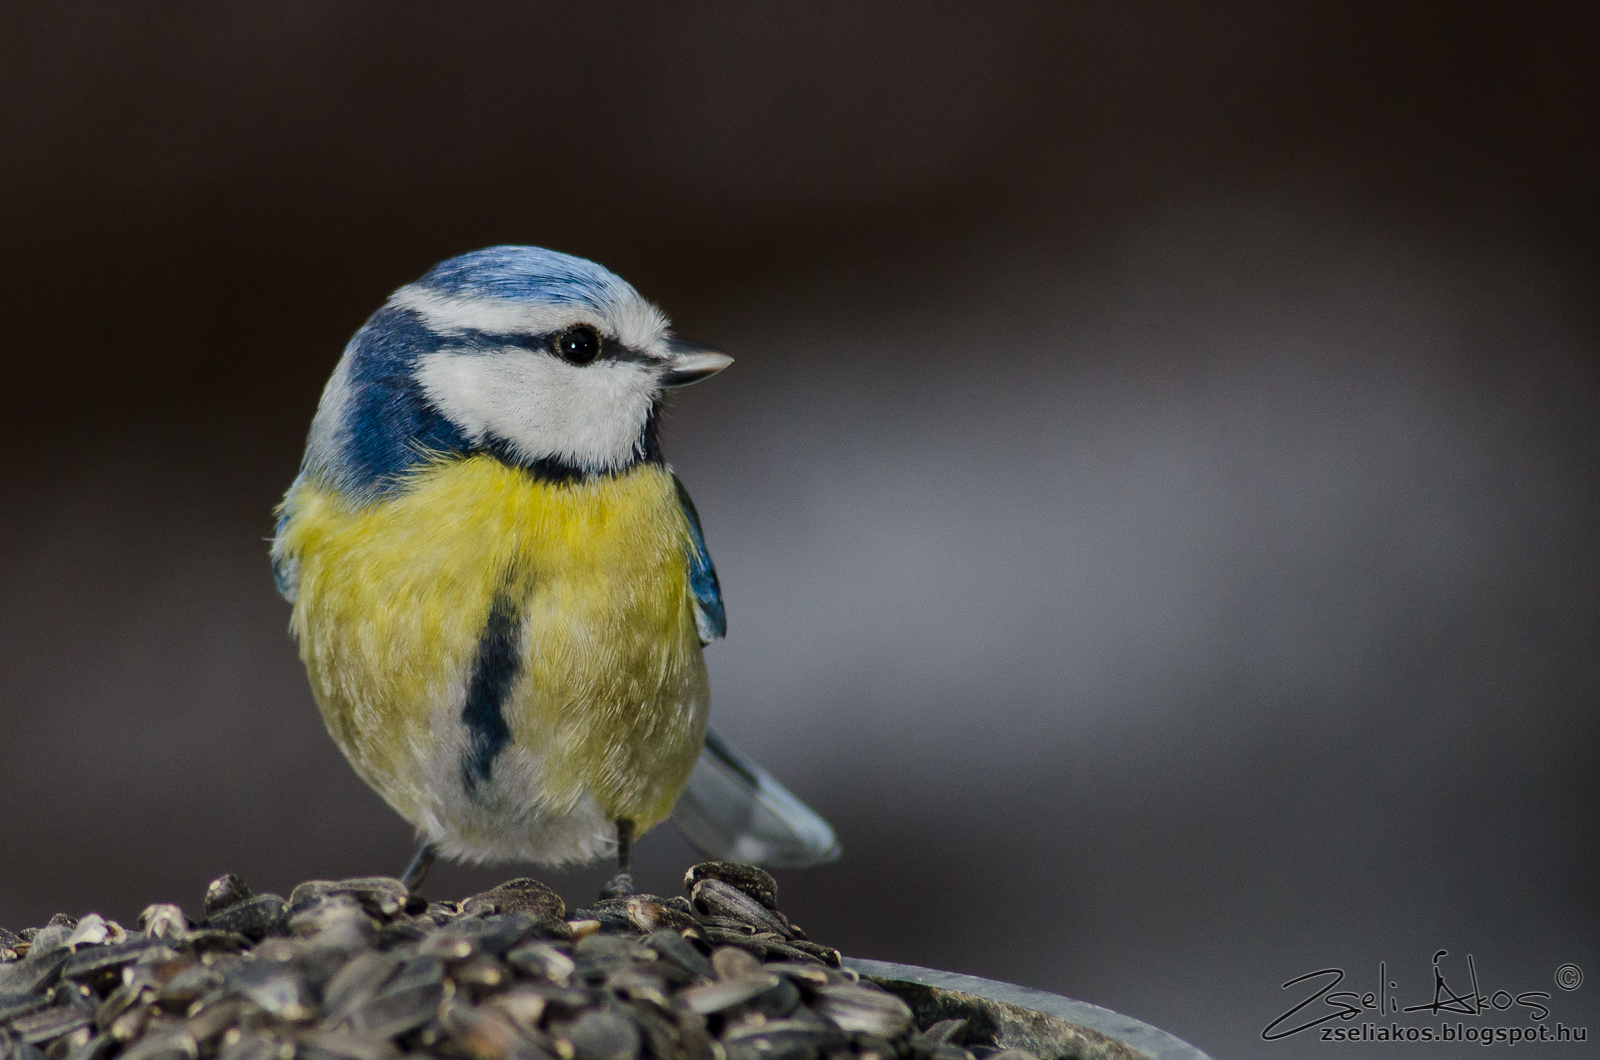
[95, 1047]
[187, 987]
[517, 896]
[808, 973]
[598, 956]
[636, 984]
[345, 1044]
[339, 922]
[275, 989]
[394, 1012]
[118, 1002]
[723, 924]
[650, 916]
[380, 896]
[730, 962]
[826, 954]
[131, 1022]
[782, 1040]
[442, 913]
[680, 953]
[611, 914]
[210, 941]
[257, 1045]
[13, 1005]
[523, 1007]
[715, 898]
[739, 940]
[726, 993]
[543, 961]
[939, 1051]
[49, 1024]
[603, 1035]
[358, 981]
[224, 891]
[501, 932]
[755, 882]
[487, 1034]
[945, 1032]
[97, 960]
[483, 972]
[563, 1001]
[214, 1020]
[34, 972]
[864, 1009]
[417, 971]
[172, 1046]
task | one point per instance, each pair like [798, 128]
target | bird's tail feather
[734, 810]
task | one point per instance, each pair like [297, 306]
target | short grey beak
[691, 362]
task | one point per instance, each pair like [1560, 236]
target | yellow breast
[609, 694]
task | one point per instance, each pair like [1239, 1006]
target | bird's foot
[621, 886]
[417, 871]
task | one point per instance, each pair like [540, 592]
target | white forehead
[625, 316]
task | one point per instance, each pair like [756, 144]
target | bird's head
[550, 362]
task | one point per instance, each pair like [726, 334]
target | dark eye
[580, 345]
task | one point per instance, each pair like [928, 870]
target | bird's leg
[621, 885]
[417, 871]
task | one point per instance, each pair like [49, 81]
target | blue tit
[501, 590]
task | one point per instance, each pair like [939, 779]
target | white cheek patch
[590, 417]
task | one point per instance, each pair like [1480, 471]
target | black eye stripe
[611, 349]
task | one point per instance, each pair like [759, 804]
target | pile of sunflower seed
[364, 969]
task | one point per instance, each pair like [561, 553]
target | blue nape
[389, 425]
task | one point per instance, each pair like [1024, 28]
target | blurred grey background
[1157, 497]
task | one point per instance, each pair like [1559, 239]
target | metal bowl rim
[1135, 1034]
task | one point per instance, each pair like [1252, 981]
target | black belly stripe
[494, 671]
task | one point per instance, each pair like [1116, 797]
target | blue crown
[527, 274]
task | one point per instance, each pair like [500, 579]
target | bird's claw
[621, 886]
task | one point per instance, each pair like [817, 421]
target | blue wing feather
[709, 613]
